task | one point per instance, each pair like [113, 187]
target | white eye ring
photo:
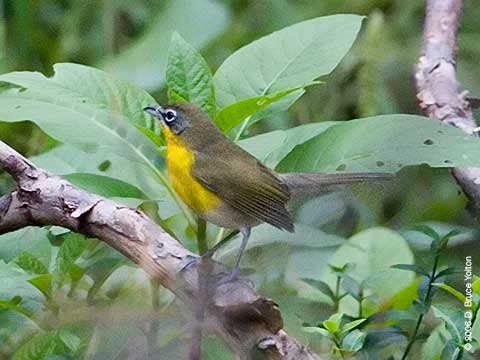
[170, 115]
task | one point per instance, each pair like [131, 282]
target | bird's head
[186, 121]
[176, 117]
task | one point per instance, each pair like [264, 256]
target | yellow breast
[179, 163]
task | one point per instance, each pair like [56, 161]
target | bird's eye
[170, 115]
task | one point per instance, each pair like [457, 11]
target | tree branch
[438, 90]
[250, 324]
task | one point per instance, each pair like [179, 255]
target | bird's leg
[210, 252]
[245, 236]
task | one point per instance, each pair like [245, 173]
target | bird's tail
[312, 184]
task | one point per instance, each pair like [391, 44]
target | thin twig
[438, 90]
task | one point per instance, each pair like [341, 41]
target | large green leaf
[144, 62]
[291, 57]
[82, 106]
[14, 282]
[88, 109]
[105, 185]
[384, 143]
[32, 239]
[272, 147]
[232, 115]
[189, 76]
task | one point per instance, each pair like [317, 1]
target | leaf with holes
[270, 148]
[380, 144]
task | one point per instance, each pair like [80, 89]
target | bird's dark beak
[154, 111]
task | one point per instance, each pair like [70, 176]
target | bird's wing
[246, 185]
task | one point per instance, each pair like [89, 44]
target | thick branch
[437, 87]
[250, 324]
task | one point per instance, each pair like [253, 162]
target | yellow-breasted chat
[224, 184]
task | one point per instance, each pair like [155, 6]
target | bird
[227, 186]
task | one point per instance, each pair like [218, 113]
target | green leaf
[441, 244]
[447, 271]
[14, 285]
[322, 286]
[86, 108]
[13, 305]
[270, 148]
[379, 144]
[30, 263]
[411, 267]
[285, 59]
[44, 344]
[144, 62]
[43, 283]
[31, 239]
[368, 252]
[105, 186]
[353, 342]
[476, 285]
[351, 325]
[37, 347]
[451, 290]
[332, 324]
[76, 274]
[71, 249]
[232, 115]
[433, 347]
[339, 270]
[451, 350]
[100, 265]
[316, 330]
[454, 320]
[189, 76]
[157, 139]
[426, 230]
[71, 341]
[352, 287]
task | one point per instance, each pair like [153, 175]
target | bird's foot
[223, 277]
[233, 276]
[189, 261]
